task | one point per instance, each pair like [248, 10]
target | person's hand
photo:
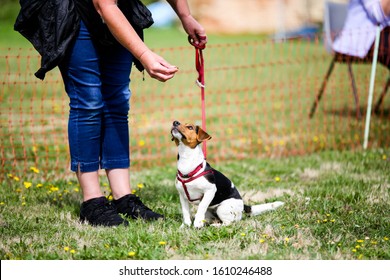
[157, 67]
[196, 32]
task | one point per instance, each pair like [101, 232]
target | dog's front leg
[200, 215]
[185, 209]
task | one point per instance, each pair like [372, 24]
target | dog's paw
[199, 223]
[277, 204]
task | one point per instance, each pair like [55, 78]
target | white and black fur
[216, 196]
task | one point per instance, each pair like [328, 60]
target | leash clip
[199, 84]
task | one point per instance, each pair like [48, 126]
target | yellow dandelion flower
[9, 175]
[357, 246]
[384, 157]
[34, 149]
[54, 189]
[328, 215]
[140, 185]
[131, 254]
[133, 191]
[141, 143]
[332, 221]
[2, 203]
[27, 184]
[72, 251]
[23, 203]
[287, 239]
[354, 250]
[385, 238]
[34, 169]
[325, 220]
[66, 248]
[39, 185]
[277, 179]
[360, 241]
[242, 234]
[110, 197]
[76, 190]
[16, 178]
[162, 243]
[261, 240]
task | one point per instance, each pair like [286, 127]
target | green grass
[337, 206]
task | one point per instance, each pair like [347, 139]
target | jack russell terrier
[198, 183]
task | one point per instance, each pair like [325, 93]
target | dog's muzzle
[176, 131]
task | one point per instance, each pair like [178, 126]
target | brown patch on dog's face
[192, 135]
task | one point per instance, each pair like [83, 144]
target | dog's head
[189, 134]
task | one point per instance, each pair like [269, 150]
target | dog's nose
[176, 123]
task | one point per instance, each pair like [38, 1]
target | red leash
[199, 64]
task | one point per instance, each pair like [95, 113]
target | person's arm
[378, 10]
[386, 7]
[190, 25]
[125, 34]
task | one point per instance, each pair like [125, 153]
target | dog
[200, 184]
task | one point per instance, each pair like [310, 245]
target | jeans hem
[84, 166]
[114, 164]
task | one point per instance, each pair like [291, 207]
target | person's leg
[81, 75]
[116, 63]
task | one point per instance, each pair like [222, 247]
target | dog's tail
[255, 210]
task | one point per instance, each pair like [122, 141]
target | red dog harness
[184, 179]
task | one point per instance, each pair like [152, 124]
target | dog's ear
[202, 135]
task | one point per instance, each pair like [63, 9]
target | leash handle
[199, 64]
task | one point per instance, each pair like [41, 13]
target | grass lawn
[337, 207]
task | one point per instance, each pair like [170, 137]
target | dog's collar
[192, 173]
[184, 179]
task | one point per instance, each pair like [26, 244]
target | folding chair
[334, 18]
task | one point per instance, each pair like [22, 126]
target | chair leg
[380, 100]
[322, 89]
[358, 114]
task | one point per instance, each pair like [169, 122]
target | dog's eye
[190, 127]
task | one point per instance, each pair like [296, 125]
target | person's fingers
[197, 40]
[163, 73]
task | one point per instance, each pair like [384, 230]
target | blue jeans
[97, 83]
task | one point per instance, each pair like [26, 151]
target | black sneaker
[131, 206]
[100, 212]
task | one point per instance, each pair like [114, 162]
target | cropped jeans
[97, 83]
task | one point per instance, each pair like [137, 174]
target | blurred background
[265, 63]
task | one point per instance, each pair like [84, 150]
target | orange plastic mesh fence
[258, 98]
